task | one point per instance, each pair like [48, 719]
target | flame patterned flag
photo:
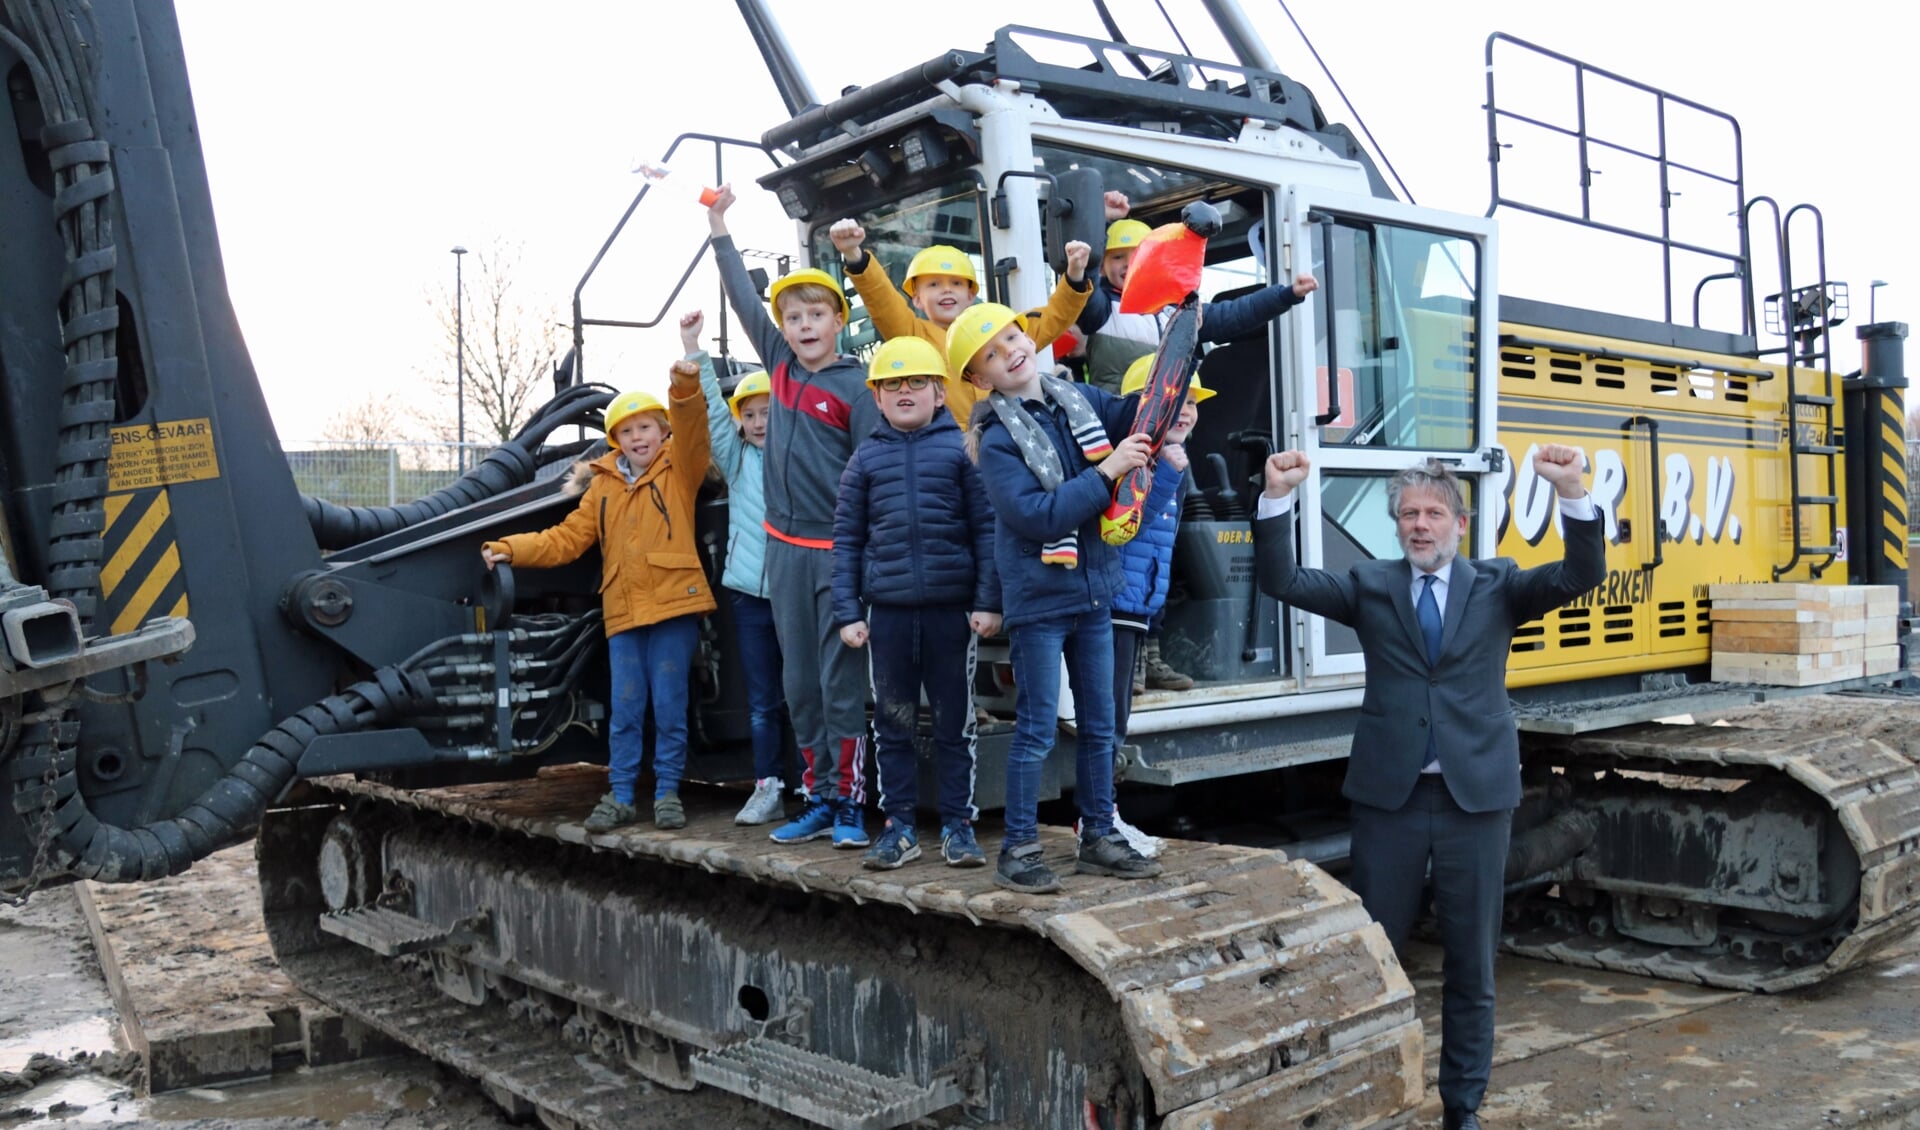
[1160, 402]
[1165, 270]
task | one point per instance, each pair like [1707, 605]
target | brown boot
[1161, 677]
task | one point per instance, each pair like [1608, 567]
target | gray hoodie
[814, 420]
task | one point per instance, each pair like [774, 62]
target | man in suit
[1434, 775]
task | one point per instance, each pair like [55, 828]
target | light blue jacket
[744, 467]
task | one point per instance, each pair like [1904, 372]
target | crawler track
[1845, 805]
[1240, 989]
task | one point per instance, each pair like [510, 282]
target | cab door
[1382, 371]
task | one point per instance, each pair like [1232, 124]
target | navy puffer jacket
[912, 525]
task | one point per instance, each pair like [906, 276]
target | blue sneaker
[897, 845]
[849, 826]
[959, 848]
[814, 821]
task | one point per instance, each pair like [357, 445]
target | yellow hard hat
[628, 404]
[940, 260]
[972, 329]
[1125, 235]
[751, 385]
[906, 357]
[807, 275]
[1136, 379]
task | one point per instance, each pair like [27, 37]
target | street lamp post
[459, 367]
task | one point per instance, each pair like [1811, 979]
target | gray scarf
[1038, 452]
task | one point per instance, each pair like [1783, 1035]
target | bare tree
[374, 418]
[510, 347]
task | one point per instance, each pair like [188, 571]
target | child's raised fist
[847, 235]
[1117, 205]
[691, 323]
[717, 211]
[1077, 255]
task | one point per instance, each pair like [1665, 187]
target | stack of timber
[1801, 635]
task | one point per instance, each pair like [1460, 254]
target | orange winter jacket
[649, 555]
[893, 317]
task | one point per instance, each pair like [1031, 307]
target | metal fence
[378, 474]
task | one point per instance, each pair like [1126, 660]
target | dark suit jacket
[1465, 694]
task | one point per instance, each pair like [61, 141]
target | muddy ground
[54, 1005]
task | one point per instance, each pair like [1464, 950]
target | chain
[50, 794]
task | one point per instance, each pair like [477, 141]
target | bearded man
[1434, 775]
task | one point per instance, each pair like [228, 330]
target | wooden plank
[160, 943]
[1807, 677]
[1767, 611]
[1775, 661]
[1742, 645]
[1789, 630]
[1829, 595]
[1882, 660]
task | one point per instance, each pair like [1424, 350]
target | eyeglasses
[914, 384]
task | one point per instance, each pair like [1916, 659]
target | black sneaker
[896, 845]
[1112, 855]
[1021, 870]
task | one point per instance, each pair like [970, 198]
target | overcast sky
[351, 147]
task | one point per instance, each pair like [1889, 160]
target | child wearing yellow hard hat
[638, 507]
[914, 582]
[738, 424]
[819, 409]
[1115, 340]
[1147, 559]
[942, 282]
[1050, 453]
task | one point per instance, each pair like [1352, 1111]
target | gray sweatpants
[826, 681]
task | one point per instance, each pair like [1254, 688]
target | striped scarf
[1037, 451]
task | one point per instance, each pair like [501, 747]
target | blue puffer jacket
[912, 525]
[1027, 515]
[1147, 560]
[744, 467]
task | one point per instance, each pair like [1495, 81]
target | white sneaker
[1139, 841]
[764, 806]
[1146, 845]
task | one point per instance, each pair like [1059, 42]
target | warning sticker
[152, 455]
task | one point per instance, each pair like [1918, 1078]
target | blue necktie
[1429, 612]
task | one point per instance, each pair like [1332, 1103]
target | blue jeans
[759, 655]
[1087, 642]
[653, 663]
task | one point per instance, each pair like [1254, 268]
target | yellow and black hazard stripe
[140, 577]
[1890, 463]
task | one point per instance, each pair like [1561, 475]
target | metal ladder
[1804, 316]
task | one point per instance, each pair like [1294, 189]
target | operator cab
[1396, 318]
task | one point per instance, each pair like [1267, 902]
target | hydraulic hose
[512, 464]
[225, 814]
[58, 45]
[338, 527]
